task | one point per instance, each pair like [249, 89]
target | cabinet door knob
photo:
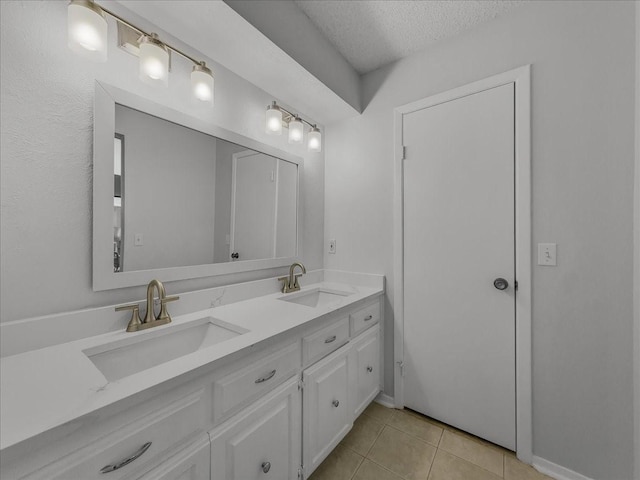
[335, 403]
[266, 466]
[332, 338]
[500, 283]
[368, 317]
[369, 369]
[126, 461]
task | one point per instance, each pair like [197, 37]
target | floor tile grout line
[385, 468]
[374, 442]
[413, 436]
[357, 468]
[471, 463]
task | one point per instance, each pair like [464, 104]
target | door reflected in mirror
[182, 197]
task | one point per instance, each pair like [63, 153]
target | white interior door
[459, 329]
[253, 206]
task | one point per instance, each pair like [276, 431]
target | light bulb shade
[154, 61]
[87, 30]
[296, 131]
[202, 83]
[273, 124]
[314, 140]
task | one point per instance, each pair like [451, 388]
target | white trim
[556, 471]
[385, 400]
[521, 77]
[636, 262]
[106, 96]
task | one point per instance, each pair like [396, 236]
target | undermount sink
[317, 297]
[125, 357]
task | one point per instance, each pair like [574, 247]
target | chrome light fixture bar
[278, 117]
[87, 36]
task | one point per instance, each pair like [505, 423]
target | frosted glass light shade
[314, 141]
[296, 132]
[154, 61]
[202, 83]
[273, 125]
[87, 30]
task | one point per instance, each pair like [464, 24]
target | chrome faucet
[290, 283]
[150, 320]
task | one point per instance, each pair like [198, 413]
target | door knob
[235, 255]
[500, 283]
[266, 466]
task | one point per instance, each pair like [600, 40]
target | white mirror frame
[104, 278]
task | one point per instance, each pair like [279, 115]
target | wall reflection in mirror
[182, 197]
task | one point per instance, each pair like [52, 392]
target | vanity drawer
[145, 442]
[243, 386]
[364, 318]
[325, 341]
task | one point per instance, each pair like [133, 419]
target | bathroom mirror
[178, 198]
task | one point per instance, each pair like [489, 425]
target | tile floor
[387, 444]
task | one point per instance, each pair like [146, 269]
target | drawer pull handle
[268, 376]
[126, 461]
[369, 369]
[335, 403]
[368, 317]
[332, 338]
[266, 466]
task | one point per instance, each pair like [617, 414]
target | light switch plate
[332, 245]
[547, 254]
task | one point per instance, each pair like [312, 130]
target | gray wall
[169, 185]
[46, 124]
[583, 139]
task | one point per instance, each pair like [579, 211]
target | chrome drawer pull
[368, 317]
[266, 377]
[335, 403]
[266, 466]
[126, 461]
[330, 339]
[369, 369]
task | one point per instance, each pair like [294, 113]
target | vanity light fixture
[202, 82]
[154, 61]
[296, 130]
[87, 30]
[87, 36]
[278, 117]
[274, 120]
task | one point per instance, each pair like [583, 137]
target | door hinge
[515, 285]
[301, 383]
[401, 365]
[301, 472]
[404, 152]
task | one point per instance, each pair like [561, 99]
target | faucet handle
[169, 299]
[164, 314]
[285, 284]
[136, 321]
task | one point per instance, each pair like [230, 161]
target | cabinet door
[325, 407]
[261, 442]
[193, 463]
[366, 381]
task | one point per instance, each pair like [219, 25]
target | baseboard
[556, 471]
[385, 400]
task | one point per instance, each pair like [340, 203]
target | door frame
[521, 77]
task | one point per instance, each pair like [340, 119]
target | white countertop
[43, 389]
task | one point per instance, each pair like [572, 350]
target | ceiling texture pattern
[373, 33]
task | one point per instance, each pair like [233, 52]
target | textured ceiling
[372, 33]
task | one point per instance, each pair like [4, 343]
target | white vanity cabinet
[273, 410]
[261, 442]
[366, 380]
[326, 415]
